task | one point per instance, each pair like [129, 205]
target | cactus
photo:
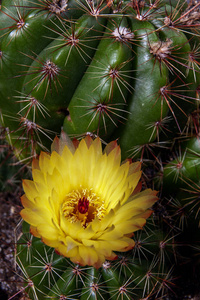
[48, 275]
[125, 70]
[11, 170]
[67, 79]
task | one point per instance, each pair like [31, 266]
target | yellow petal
[27, 203]
[39, 176]
[30, 189]
[44, 162]
[31, 217]
[89, 255]
[144, 199]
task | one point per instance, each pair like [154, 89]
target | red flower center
[83, 205]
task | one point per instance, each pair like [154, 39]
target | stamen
[83, 205]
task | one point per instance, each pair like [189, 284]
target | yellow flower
[83, 202]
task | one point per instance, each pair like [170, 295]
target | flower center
[83, 205]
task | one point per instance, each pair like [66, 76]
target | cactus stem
[137, 6]
[149, 279]
[45, 263]
[192, 124]
[176, 166]
[120, 33]
[80, 273]
[83, 135]
[99, 64]
[47, 72]
[156, 283]
[28, 246]
[159, 126]
[193, 61]
[93, 288]
[1, 57]
[126, 290]
[163, 53]
[92, 9]
[58, 295]
[140, 249]
[179, 213]
[70, 38]
[166, 284]
[144, 15]
[167, 242]
[123, 34]
[56, 7]
[32, 104]
[32, 128]
[189, 17]
[170, 20]
[29, 285]
[123, 264]
[146, 148]
[193, 199]
[167, 93]
[30, 135]
[101, 108]
[161, 49]
[19, 20]
[115, 75]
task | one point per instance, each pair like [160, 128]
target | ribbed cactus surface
[144, 272]
[125, 70]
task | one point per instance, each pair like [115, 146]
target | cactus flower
[84, 202]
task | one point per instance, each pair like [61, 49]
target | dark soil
[10, 281]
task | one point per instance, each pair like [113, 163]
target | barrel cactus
[100, 73]
[103, 71]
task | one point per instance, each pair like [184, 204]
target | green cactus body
[184, 167]
[22, 39]
[146, 92]
[52, 276]
[59, 69]
[89, 108]
[125, 70]
[141, 58]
